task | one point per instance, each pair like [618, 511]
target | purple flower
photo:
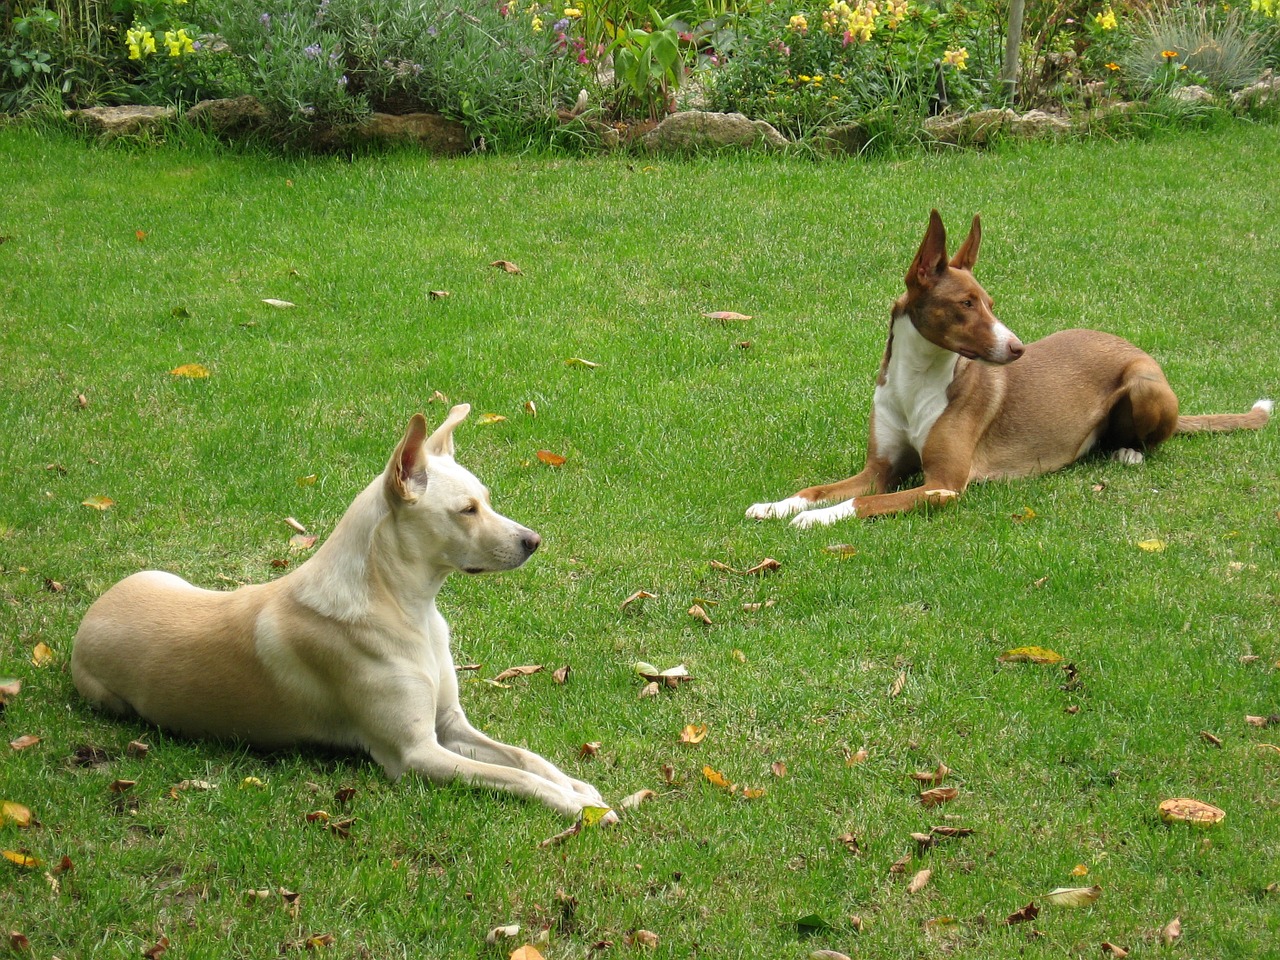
[334, 57]
[561, 25]
[265, 20]
[342, 80]
[312, 51]
[433, 31]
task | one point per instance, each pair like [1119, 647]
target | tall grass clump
[1221, 49]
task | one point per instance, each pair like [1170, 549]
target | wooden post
[1014, 39]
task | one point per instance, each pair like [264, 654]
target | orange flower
[1168, 54]
[1112, 66]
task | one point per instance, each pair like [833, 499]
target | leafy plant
[1175, 44]
[25, 60]
[648, 64]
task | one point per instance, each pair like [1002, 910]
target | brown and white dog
[950, 400]
[348, 650]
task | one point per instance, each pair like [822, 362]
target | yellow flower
[573, 13]
[799, 23]
[956, 58]
[537, 24]
[1106, 19]
[1168, 54]
[178, 42]
[141, 42]
[804, 79]
[1112, 66]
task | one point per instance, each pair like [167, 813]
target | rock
[1257, 94]
[1191, 94]
[1037, 123]
[230, 117]
[111, 122]
[977, 127]
[699, 130]
[850, 138]
[432, 132]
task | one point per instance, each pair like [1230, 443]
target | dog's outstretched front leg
[869, 480]
[458, 735]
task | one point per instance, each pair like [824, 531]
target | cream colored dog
[348, 650]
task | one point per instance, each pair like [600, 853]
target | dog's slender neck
[914, 354]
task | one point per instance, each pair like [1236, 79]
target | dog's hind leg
[1144, 415]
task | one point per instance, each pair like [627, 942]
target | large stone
[979, 127]
[110, 122]
[1257, 94]
[699, 130]
[430, 131]
[231, 117]
[1037, 123]
[1191, 94]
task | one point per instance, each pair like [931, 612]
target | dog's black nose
[530, 541]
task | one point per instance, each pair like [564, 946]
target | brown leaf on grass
[531, 408]
[98, 502]
[934, 776]
[295, 525]
[693, 733]
[1023, 915]
[511, 672]
[851, 842]
[938, 795]
[598, 946]
[767, 565]
[1270, 721]
[588, 750]
[22, 743]
[1171, 931]
[858, 756]
[195, 785]
[899, 682]
[506, 266]
[15, 813]
[1113, 950]
[757, 607]
[638, 595]
[438, 294]
[900, 865]
[716, 778]
[1073, 896]
[1210, 739]
[344, 795]
[919, 881]
[18, 942]
[725, 315]
[634, 800]
[89, 756]
[698, 613]
[753, 793]
[650, 689]
[502, 933]
[140, 235]
[561, 837]
[122, 786]
[81, 401]
[1267, 748]
[642, 938]
[317, 940]
[9, 688]
[778, 769]
[53, 586]
[278, 303]
[923, 841]
[468, 667]
[438, 397]
[41, 655]
[299, 543]
[828, 955]
[552, 459]
[137, 748]
[950, 832]
[1186, 810]
[561, 674]
[156, 949]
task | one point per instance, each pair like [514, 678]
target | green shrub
[1185, 43]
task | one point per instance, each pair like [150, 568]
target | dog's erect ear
[407, 469]
[931, 258]
[967, 255]
[440, 443]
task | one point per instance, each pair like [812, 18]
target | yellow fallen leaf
[99, 502]
[716, 778]
[1073, 896]
[24, 860]
[1080, 870]
[753, 793]
[192, 371]
[42, 655]
[307, 481]
[638, 595]
[592, 816]
[14, 813]
[693, 733]
[1030, 655]
[487, 418]
[1152, 546]
[1026, 513]
[579, 362]
[1187, 810]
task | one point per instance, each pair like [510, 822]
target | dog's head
[441, 510]
[948, 305]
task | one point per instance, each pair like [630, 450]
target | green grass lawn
[119, 266]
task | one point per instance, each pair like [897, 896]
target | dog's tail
[1255, 419]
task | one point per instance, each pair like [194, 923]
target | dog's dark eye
[966, 303]
[470, 508]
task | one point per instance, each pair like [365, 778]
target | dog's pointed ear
[967, 255]
[407, 469]
[440, 443]
[931, 258]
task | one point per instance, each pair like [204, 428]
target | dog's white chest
[914, 392]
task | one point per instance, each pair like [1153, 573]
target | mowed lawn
[869, 654]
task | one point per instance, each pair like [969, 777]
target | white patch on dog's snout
[782, 508]
[1001, 351]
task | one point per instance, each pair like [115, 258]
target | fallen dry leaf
[899, 682]
[561, 675]
[191, 371]
[501, 933]
[9, 688]
[511, 672]
[643, 938]
[1171, 931]
[295, 525]
[725, 315]
[506, 266]
[934, 776]
[1113, 950]
[858, 756]
[561, 837]
[938, 795]
[298, 542]
[82, 401]
[98, 502]
[698, 613]
[756, 607]
[41, 655]
[1073, 896]
[137, 748]
[18, 942]
[15, 813]
[950, 832]
[1210, 739]
[140, 235]
[278, 304]
[156, 949]
[828, 955]
[923, 841]
[531, 408]
[753, 793]
[438, 294]
[716, 778]
[122, 786]
[488, 418]
[1152, 546]
[195, 785]
[1187, 810]
[20, 858]
[842, 550]
[668, 774]
[851, 842]
[693, 733]
[579, 362]
[638, 595]
[1023, 515]
[778, 769]
[1030, 655]
[650, 689]
[438, 397]
[588, 750]
[30, 740]
[767, 565]
[919, 881]
[635, 799]
[1267, 747]
[1023, 915]
[53, 586]
[552, 459]
[1270, 721]
[900, 865]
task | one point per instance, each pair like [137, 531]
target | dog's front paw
[781, 508]
[588, 792]
[825, 516]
